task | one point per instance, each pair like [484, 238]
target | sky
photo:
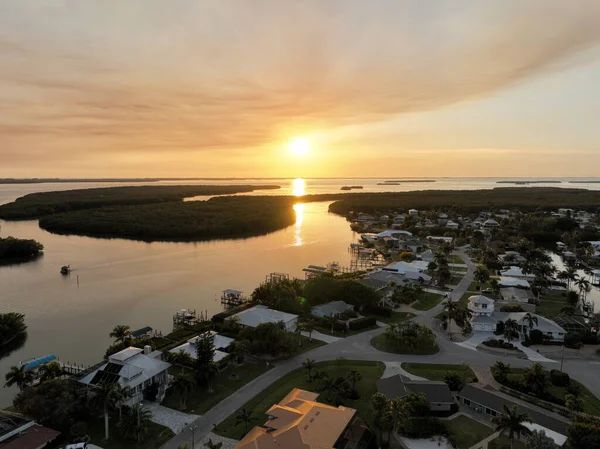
[217, 88]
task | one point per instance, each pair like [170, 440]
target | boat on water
[66, 269]
[36, 362]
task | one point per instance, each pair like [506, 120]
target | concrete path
[532, 355]
[393, 368]
[173, 419]
[323, 337]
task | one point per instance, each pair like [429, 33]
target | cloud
[149, 76]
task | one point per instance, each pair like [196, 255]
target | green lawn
[157, 436]
[456, 279]
[437, 371]
[381, 343]
[503, 442]
[427, 301]
[199, 400]
[453, 258]
[396, 317]
[467, 432]
[327, 330]
[591, 404]
[371, 372]
[474, 286]
[551, 303]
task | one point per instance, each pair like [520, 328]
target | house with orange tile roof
[299, 422]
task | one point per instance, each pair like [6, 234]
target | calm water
[140, 284]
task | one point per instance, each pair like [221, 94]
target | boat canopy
[35, 363]
[140, 332]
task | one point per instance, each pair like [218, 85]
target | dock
[232, 298]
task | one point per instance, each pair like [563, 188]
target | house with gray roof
[333, 308]
[437, 393]
[256, 315]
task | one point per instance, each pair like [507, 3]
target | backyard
[156, 436]
[370, 371]
[438, 371]
[551, 303]
[467, 432]
[503, 442]
[427, 301]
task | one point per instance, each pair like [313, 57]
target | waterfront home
[491, 402]
[333, 308]
[220, 342]
[417, 266]
[389, 277]
[300, 422]
[133, 368]
[516, 272]
[506, 281]
[437, 393]
[512, 257]
[395, 233]
[517, 295]
[256, 315]
[18, 432]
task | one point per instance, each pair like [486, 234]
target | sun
[299, 146]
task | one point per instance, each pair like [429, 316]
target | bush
[454, 381]
[515, 308]
[493, 343]
[499, 328]
[559, 379]
[377, 310]
[362, 323]
[536, 337]
[589, 339]
[348, 314]
[573, 340]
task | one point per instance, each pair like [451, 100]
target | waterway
[141, 284]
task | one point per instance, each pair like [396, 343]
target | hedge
[377, 310]
[559, 379]
[362, 323]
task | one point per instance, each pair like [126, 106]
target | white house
[262, 314]
[132, 368]
[451, 224]
[481, 305]
[413, 212]
[221, 344]
[439, 239]
[395, 233]
[417, 266]
[333, 308]
[506, 281]
[516, 272]
[490, 224]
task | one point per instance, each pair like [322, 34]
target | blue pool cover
[33, 364]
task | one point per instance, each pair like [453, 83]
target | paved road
[358, 347]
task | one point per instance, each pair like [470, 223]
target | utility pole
[193, 429]
[562, 357]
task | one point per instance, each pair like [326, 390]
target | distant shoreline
[532, 182]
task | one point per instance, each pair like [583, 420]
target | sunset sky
[145, 88]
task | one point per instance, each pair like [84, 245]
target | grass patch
[396, 317]
[156, 437]
[349, 332]
[474, 286]
[438, 371]
[503, 442]
[456, 279]
[591, 404]
[427, 301]
[550, 304]
[381, 343]
[370, 371]
[199, 400]
[467, 432]
[453, 258]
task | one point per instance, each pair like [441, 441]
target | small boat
[66, 269]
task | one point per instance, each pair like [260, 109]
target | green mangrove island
[158, 213]
[14, 250]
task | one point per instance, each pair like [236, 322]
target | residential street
[358, 347]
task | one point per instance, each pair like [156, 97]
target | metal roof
[142, 331]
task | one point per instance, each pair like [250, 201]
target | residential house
[135, 369]
[300, 422]
[413, 212]
[417, 266]
[398, 219]
[436, 240]
[18, 432]
[506, 281]
[437, 393]
[491, 402]
[452, 224]
[220, 342]
[333, 308]
[256, 315]
[490, 223]
[517, 295]
[512, 257]
[516, 272]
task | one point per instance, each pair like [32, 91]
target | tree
[213, 445]
[539, 440]
[205, 354]
[181, 358]
[454, 380]
[354, 376]
[309, 365]
[450, 307]
[531, 320]
[501, 371]
[495, 286]
[50, 371]
[481, 275]
[510, 329]
[11, 326]
[135, 423]
[308, 327]
[572, 297]
[331, 320]
[379, 405]
[107, 395]
[120, 333]
[387, 423]
[535, 380]
[573, 403]
[182, 384]
[210, 373]
[244, 416]
[19, 376]
[511, 423]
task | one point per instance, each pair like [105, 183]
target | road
[358, 347]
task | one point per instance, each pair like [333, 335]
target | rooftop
[399, 386]
[262, 314]
[35, 437]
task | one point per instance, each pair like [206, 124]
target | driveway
[323, 337]
[532, 355]
[476, 339]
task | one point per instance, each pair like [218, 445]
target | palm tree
[354, 376]
[501, 371]
[495, 286]
[309, 366]
[450, 307]
[181, 358]
[584, 288]
[210, 372]
[120, 333]
[182, 384]
[107, 395]
[135, 423]
[212, 445]
[331, 320]
[511, 423]
[244, 416]
[50, 371]
[309, 327]
[531, 320]
[481, 275]
[510, 328]
[535, 379]
[20, 377]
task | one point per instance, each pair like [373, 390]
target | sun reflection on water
[299, 209]
[299, 187]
